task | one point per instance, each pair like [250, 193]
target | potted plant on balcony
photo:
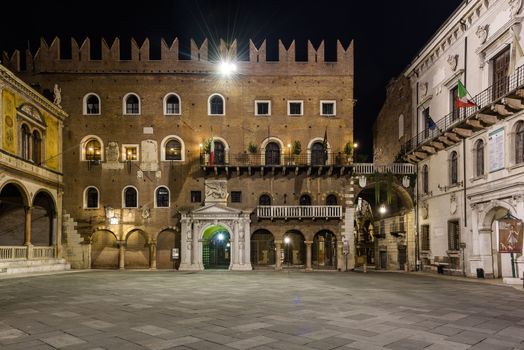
[252, 148]
[206, 148]
[296, 149]
[348, 151]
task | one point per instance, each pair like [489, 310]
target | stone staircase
[33, 265]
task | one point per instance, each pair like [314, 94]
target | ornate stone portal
[215, 212]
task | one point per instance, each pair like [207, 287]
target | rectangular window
[262, 107]
[453, 235]
[455, 111]
[424, 241]
[328, 108]
[129, 152]
[426, 118]
[236, 196]
[196, 196]
[295, 107]
[500, 73]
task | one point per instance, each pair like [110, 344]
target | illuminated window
[173, 150]
[130, 152]
[93, 150]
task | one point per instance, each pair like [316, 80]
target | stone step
[31, 266]
[32, 262]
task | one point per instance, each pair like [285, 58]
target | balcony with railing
[394, 168]
[299, 212]
[319, 164]
[498, 101]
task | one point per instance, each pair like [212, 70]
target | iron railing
[299, 211]
[275, 159]
[482, 100]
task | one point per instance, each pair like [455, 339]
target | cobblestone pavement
[257, 310]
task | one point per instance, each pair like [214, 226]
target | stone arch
[104, 249]
[494, 210]
[262, 248]
[294, 249]
[137, 249]
[310, 145]
[404, 196]
[216, 245]
[167, 240]
[14, 199]
[324, 250]
[269, 140]
[43, 219]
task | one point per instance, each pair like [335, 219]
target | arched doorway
[167, 241]
[220, 152]
[104, 250]
[137, 251]
[262, 248]
[43, 220]
[272, 154]
[216, 248]
[324, 250]
[294, 249]
[12, 215]
[318, 156]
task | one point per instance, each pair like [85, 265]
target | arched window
[25, 142]
[173, 150]
[400, 126]
[479, 158]
[519, 143]
[331, 200]
[220, 153]
[264, 199]
[130, 197]
[93, 150]
[131, 104]
[425, 179]
[162, 197]
[453, 168]
[91, 104]
[37, 147]
[91, 198]
[272, 154]
[216, 105]
[172, 105]
[318, 156]
[305, 199]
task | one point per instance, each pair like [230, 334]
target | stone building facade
[31, 180]
[469, 159]
[169, 163]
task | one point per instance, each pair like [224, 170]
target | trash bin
[440, 269]
[480, 273]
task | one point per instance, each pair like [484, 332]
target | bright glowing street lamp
[220, 237]
[227, 68]
[382, 209]
[287, 240]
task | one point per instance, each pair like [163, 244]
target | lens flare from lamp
[113, 220]
[287, 240]
[220, 236]
[382, 209]
[227, 68]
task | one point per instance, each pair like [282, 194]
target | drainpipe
[464, 140]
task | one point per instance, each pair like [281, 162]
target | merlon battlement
[48, 59]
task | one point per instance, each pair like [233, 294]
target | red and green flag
[462, 100]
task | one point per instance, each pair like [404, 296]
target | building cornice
[33, 95]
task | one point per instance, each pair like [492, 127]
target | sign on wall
[496, 150]
[510, 235]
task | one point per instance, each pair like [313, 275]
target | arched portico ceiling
[212, 230]
[401, 199]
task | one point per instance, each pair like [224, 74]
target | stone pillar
[121, 255]
[308, 255]
[278, 254]
[242, 243]
[186, 248]
[247, 242]
[152, 255]
[485, 250]
[27, 237]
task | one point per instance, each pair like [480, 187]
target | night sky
[387, 34]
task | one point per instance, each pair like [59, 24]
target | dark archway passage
[262, 248]
[12, 215]
[137, 251]
[104, 250]
[216, 248]
[167, 241]
[43, 220]
[324, 250]
[294, 249]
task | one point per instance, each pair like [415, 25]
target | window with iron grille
[327, 108]
[426, 117]
[262, 108]
[425, 179]
[196, 196]
[455, 111]
[453, 168]
[479, 158]
[519, 143]
[424, 237]
[294, 108]
[236, 196]
[453, 235]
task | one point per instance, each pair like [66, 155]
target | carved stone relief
[453, 62]
[216, 191]
[482, 33]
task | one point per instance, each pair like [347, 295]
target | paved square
[257, 310]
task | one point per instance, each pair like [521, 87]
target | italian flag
[462, 100]
[212, 152]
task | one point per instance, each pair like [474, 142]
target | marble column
[27, 237]
[308, 255]
[121, 255]
[278, 254]
[485, 250]
[152, 255]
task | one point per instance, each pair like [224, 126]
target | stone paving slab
[257, 310]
